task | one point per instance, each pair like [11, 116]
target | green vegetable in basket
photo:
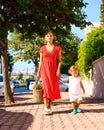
[37, 85]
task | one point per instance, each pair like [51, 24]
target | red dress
[50, 81]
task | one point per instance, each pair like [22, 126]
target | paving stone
[25, 114]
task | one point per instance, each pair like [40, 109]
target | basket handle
[37, 81]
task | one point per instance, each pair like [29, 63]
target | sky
[93, 15]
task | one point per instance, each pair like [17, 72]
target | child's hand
[61, 78]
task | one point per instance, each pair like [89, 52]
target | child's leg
[73, 101]
[78, 104]
[73, 105]
[79, 100]
[74, 108]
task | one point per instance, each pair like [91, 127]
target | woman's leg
[45, 111]
[45, 103]
[49, 104]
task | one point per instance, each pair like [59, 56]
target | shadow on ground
[14, 120]
[93, 100]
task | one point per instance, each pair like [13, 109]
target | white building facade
[94, 25]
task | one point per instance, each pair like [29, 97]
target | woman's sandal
[47, 111]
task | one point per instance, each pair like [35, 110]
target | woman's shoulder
[42, 48]
[58, 47]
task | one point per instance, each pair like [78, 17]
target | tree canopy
[30, 16]
[90, 50]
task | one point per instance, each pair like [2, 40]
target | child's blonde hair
[73, 68]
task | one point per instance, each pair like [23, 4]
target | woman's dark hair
[49, 31]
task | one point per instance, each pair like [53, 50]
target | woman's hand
[58, 74]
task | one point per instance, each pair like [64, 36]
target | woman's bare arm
[58, 73]
[39, 67]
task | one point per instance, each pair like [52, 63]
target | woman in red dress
[49, 70]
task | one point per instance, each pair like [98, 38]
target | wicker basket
[37, 92]
[38, 95]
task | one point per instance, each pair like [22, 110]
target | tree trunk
[36, 63]
[7, 89]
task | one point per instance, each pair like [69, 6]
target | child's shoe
[74, 112]
[78, 109]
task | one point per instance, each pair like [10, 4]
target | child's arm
[82, 87]
[65, 79]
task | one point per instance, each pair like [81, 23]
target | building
[91, 27]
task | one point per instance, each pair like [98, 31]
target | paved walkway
[25, 114]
